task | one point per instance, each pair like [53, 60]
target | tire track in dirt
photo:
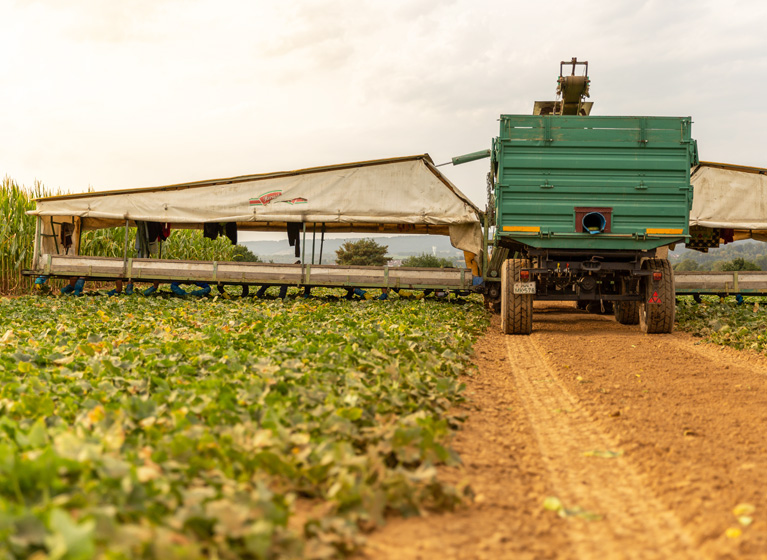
[634, 523]
[690, 416]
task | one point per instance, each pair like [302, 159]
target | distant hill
[400, 247]
[750, 250]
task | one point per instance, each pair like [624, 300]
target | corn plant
[17, 233]
[17, 237]
[108, 242]
[183, 244]
[190, 245]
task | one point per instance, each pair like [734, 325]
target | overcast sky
[132, 93]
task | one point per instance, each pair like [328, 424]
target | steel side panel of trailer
[105, 268]
[638, 167]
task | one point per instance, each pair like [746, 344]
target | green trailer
[581, 207]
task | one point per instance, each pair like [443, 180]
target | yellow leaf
[24, 367]
[733, 533]
[552, 503]
[96, 414]
[743, 509]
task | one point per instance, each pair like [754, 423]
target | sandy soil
[649, 442]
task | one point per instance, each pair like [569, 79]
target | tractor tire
[626, 312]
[516, 309]
[658, 308]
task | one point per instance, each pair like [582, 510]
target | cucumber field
[166, 427]
[169, 427]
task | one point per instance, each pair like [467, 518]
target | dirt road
[641, 446]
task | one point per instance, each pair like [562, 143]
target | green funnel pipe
[458, 160]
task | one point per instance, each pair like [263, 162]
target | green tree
[738, 264]
[365, 252]
[686, 265]
[428, 261]
[242, 254]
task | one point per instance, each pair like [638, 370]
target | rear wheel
[658, 308]
[626, 312]
[516, 309]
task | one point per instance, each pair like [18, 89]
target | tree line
[367, 252]
[744, 255]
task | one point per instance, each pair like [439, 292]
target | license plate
[524, 287]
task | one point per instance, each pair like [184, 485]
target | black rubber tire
[656, 318]
[626, 312]
[516, 309]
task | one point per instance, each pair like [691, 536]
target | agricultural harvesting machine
[582, 206]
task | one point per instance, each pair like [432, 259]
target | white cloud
[125, 94]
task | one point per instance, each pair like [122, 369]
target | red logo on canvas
[654, 299]
[266, 198]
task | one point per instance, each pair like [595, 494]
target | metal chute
[572, 91]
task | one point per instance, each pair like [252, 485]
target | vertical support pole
[314, 239]
[322, 240]
[37, 254]
[55, 237]
[303, 246]
[79, 234]
[125, 248]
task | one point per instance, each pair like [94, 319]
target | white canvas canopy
[401, 195]
[730, 197]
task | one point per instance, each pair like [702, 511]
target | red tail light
[524, 275]
[656, 276]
